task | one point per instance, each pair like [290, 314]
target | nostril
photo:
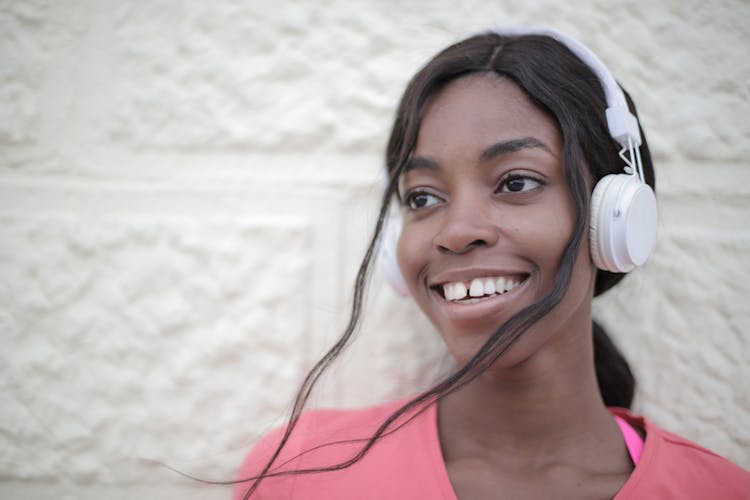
[463, 248]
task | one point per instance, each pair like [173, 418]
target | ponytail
[616, 381]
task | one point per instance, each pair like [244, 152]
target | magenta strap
[632, 440]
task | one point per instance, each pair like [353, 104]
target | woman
[494, 154]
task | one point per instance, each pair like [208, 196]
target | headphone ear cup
[388, 251]
[594, 220]
[622, 228]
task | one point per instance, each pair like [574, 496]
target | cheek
[545, 235]
[412, 251]
[552, 244]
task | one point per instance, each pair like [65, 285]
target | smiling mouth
[469, 292]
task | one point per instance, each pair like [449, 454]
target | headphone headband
[623, 126]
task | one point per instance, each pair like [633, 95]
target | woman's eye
[519, 184]
[420, 199]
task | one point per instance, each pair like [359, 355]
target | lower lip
[466, 311]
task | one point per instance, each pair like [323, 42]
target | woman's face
[487, 214]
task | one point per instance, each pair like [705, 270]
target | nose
[466, 224]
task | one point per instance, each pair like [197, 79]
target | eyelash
[504, 182]
[410, 198]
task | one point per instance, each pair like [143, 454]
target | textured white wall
[186, 188]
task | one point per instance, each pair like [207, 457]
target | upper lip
[454, 275]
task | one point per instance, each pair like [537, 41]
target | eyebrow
[418, 163]
[493, 151]
[511, 146]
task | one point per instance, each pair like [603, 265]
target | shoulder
[356, 423]
[323, 439]
[674, 467]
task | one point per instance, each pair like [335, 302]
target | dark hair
[565, 88]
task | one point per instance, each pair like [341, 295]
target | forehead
[475, 111]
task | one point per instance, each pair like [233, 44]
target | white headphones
[623, 207]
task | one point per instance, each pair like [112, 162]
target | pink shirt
[408, 463]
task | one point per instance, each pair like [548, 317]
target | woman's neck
[549, 401]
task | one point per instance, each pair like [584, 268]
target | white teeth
[477, 288]
[455, 291]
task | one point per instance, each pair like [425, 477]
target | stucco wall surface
[186, 189]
